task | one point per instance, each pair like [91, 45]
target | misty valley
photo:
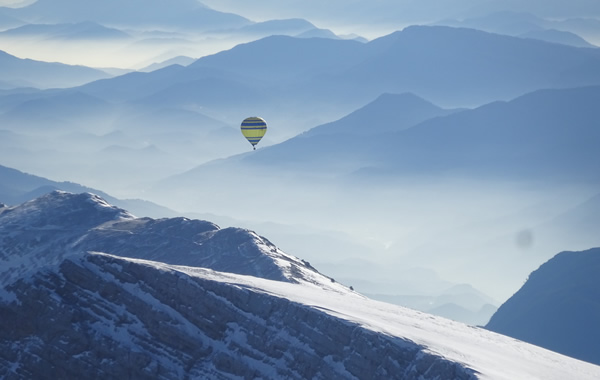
[437, 159]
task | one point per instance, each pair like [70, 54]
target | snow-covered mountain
[558, 307]
[85, 222]
[18, 187]
[70, 311]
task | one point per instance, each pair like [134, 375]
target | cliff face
[101, 316]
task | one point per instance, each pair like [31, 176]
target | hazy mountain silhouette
[460, 303]
[17, 187]
[558, 36]
[558, 307]
[389, 112]
[179, 60]
[551, 8]
[387, 14]
[465, 66]
[175, 14]
[576, 228]
[568, 32]
[290, 27]
[319, 33]
[448, 66]
[62, 106]
[78, 31]
[548, 134]
[444, 65]
[26, 72]
[342, 143]
[503, 22]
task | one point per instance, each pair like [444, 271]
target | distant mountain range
[523, 24]
[17, 72]
[448, 66]
[388, 14]
[460, 303]
[153, 13]
[79, 31]
[549, 135]
[74, 303]
[294, 75]
[558, 307]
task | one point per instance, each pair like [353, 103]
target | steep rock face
[558, 307]
[97, 316]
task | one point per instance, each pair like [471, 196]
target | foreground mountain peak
[43, 231]
[63, 209]
[89, 291]
[50, 228]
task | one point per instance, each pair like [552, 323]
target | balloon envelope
[253, 129]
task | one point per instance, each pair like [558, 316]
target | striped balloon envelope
[253, 129]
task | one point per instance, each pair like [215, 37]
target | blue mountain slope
[559, 37]
[558, 307]
[449, 66]
[278, 27]
[45, 74]
[283, 58]
[462, 66]
[389, 112]
[550, 134]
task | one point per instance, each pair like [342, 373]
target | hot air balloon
[253, 129]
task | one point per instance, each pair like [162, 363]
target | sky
[14, 3]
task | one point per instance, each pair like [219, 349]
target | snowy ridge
[489, 355]
[46, 230]
[43, 231]
[93, 292]
[104, 315]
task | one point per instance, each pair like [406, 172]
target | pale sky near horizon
[12, 3]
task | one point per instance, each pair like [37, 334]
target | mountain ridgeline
[86, 223]
[80, 297]
[558, 307]
[205, 101]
